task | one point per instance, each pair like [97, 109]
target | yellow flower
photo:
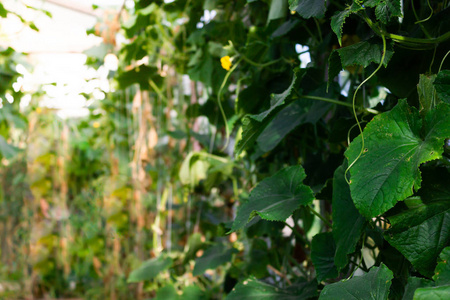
[38, 110]
[226, 62]
[96, 124]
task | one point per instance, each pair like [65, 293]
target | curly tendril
[354, 108]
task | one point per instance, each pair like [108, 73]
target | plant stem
[354, 108]
[282, 275]
[325, 221]
[404, 39]
[300, 268]
[219, 102]
[259, 65]
[298, 235]
[359, 266]
[442, 62]
[157, 90]
[420, 22]
[329, 100]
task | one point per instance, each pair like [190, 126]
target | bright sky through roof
[55, 52]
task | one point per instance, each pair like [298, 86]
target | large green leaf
[413, 284]
[427, 289]
[442, 272]
[212, 258]
[361, 54]
[385, 10]
[252, 289]
[433, 293]
[348, 223]
[150, 269]
[275, 198]
[254, 125]
[421, 231]
[276, 100]
[373, 285]
[308, 8]
[396, 143]
[364, 53]
[298, 112]
[251, 130]
[338, 20]
[322, 256]
[442, 85]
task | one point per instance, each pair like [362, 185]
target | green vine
[354, 109]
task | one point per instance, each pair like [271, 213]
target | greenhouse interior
[224, 149]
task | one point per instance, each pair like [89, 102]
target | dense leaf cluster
[346, 153]
[291, 149]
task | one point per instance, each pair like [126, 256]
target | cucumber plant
[339, 174]
[279, 149]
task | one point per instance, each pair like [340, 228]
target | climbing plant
[279, 149]
[336, 169]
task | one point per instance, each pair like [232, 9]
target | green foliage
[199, 166]
[413, 284]
[323, 250]
[419, 231]
[3, 11]
[385, 10]
[442, 272]
[378, 181]
[426, 92]
[6, 150]
[254, 125]
[275, 198]
[308, 8]
[150, 269]
[442, 85]
[339, 18]
[297, 113]
[348, 223]
[268, 176]
[251, 288]
[432, 293]
[359, 54]
[426, 289]
[212, 258]
[140, 75]
[170, 293]
[373, 285]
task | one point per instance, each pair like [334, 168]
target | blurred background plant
[90, 160]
